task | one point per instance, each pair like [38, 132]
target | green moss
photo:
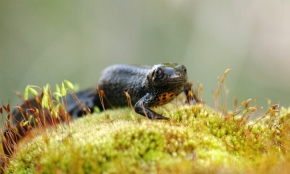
[196, 140]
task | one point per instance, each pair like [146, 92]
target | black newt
[147, 87]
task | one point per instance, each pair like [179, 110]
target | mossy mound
[196, 140]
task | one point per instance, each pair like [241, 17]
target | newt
[147, 87]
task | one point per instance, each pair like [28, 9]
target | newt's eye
[159, 72]
[158, 75]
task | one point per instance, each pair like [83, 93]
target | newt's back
[115, 80]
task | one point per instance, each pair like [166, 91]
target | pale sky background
[48, 41]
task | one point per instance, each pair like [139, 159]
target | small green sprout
[63, 90]
[68, 84]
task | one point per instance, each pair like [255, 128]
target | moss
[197, 140]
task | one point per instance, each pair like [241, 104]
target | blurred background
[48, 41]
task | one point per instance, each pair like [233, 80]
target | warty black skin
[147, 87]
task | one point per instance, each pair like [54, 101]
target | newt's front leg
[190, 96]
[141, 107]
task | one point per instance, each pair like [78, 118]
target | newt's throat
[164, 98]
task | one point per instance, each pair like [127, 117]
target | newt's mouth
[172, 80]
[177, 80]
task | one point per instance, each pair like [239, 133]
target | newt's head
[167, 74]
